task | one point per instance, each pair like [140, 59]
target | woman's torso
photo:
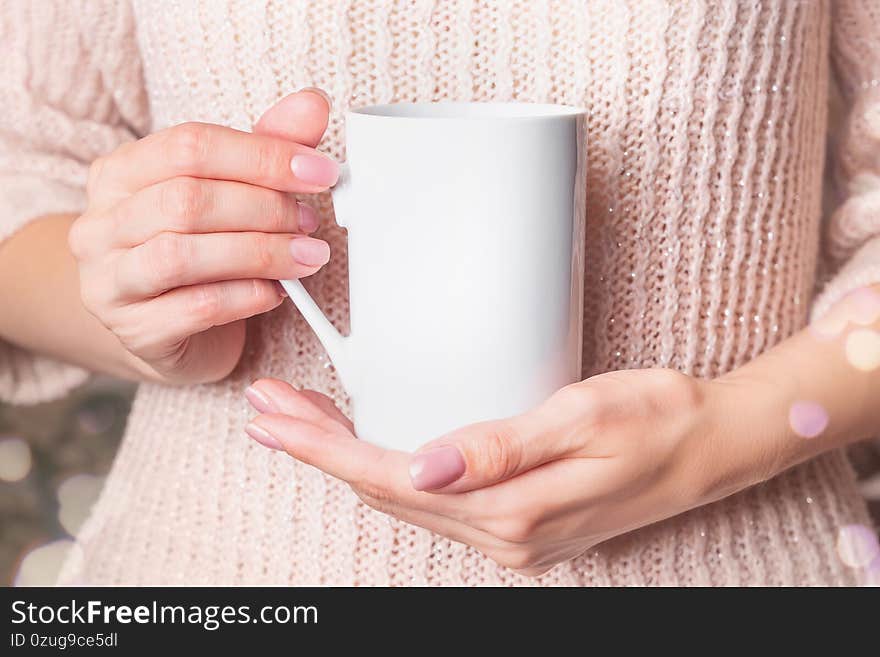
[704, 160]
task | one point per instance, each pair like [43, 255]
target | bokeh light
[830, 325]
[15, 459]
[807, 418]
[864, 306]
[863, 349]
[76, 496]
[861, 307]
[857, 545]
[40, 566]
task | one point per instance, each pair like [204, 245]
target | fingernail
[308, 218]
[320, 92]
[436, 468]
[260, 400]
[309, 251]
[263, 437]
[315, 169]
[281, 290]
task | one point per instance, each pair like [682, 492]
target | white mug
[465, 244]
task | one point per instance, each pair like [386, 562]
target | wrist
[744, 436]
[751, 417]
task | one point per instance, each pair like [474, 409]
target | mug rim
[467, 111]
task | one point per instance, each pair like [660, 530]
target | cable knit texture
[706, 143]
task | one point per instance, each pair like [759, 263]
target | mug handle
[336, 344]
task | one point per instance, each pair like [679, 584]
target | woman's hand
[608, 455]
[187, 228]
[598, 458]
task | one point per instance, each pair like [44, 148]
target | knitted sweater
[705, 152]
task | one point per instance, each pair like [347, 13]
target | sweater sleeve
[852, 239]
[71, 89]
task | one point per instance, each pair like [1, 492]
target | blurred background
[54, 457]
[53, 460]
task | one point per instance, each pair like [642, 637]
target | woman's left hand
[597, 459]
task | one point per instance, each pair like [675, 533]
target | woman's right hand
[188, 229]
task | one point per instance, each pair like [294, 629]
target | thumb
[487, 453]
[301, 117]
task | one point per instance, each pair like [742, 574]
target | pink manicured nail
[260, 401]
[436, 468]
[308, 218]
[309, 251]
[315, 169]
[320, 92]
[263, 437]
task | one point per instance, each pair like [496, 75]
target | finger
[483, 454]
[377, 473]
[274, 396]
[327, 446]
[326, 404]
[301, 117]
[195, 205]
[173, 260]
[203, 150]
[163, 322]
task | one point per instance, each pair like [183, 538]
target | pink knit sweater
[706, 144]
